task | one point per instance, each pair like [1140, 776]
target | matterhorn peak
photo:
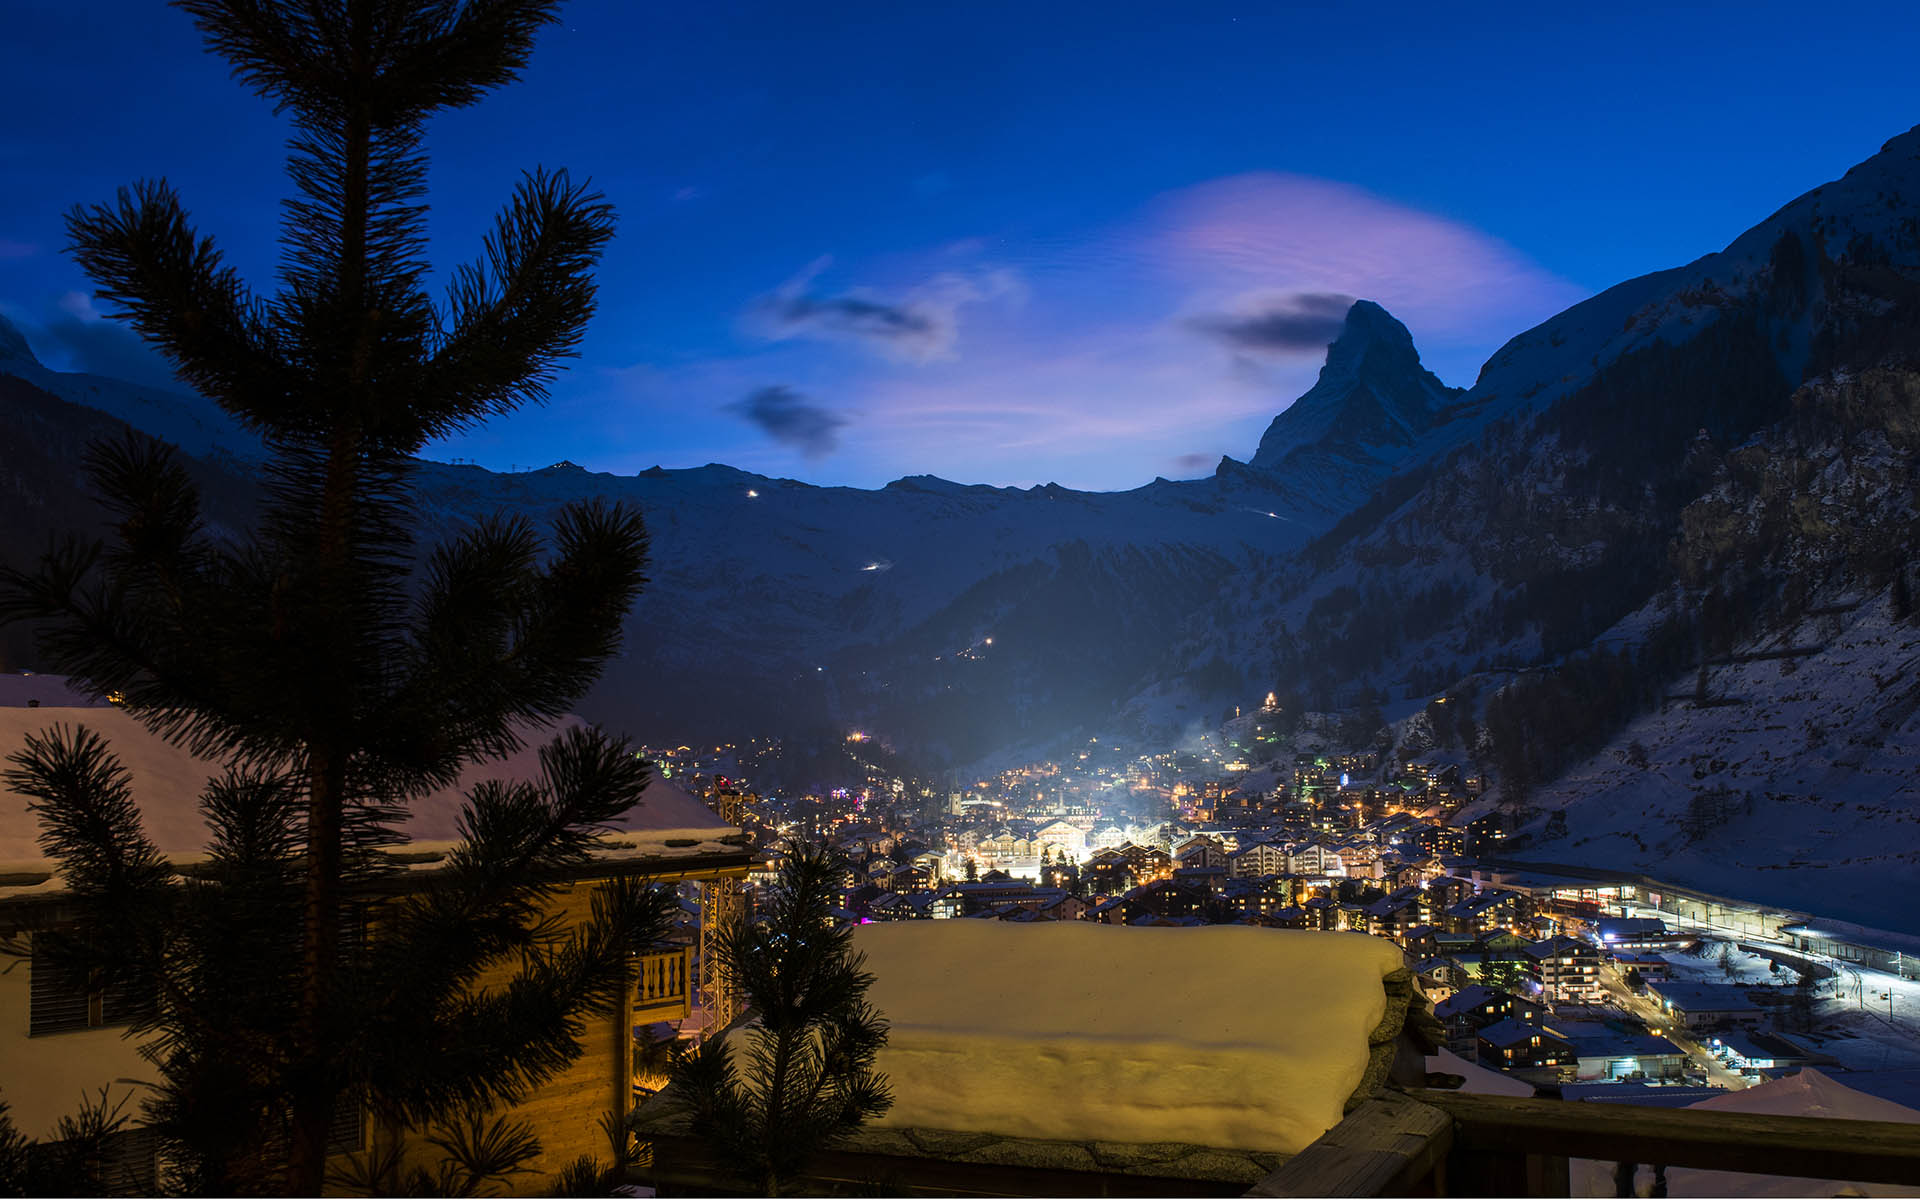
[1372, 393]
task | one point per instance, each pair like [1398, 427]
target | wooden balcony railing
[1450, 1144]
[661, 985]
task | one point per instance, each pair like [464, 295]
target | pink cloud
[1233, 238]
[1094, 360]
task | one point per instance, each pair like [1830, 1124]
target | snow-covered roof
[1704, 997]
[1511, 1033]
[167, 782]
[1227, 1035]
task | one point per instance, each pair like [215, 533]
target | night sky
[1005, 243]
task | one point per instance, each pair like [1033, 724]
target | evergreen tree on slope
[336, 691]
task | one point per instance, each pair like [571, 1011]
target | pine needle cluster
[799, 1075]
[339, 677]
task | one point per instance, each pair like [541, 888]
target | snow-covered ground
[1805, 794]
[1873, 1051]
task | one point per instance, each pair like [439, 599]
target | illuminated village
[1598, 985]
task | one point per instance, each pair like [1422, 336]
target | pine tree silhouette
[337, 689]
[800, 1076]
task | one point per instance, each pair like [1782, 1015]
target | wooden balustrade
[661, 983]
[1454, 1144]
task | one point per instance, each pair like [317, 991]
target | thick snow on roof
[1228, 1036]
[167, 782]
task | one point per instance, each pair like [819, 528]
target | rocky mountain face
[1372, 404]
[1784, 764]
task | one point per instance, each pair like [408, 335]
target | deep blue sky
[1000, 242]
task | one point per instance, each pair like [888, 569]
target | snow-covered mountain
[1685, 469]
[1371, 407]
[1672, 471]
[779, 605]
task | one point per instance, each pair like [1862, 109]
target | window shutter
[57, 1002]
[129, 1163]
[347, 1132]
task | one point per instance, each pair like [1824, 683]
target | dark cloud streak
[791, 419]
[851, 316]
[1302, 323]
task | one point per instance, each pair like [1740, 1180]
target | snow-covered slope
[953, 618]
[1789, 769]
[187, 421]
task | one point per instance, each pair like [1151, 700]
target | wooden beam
[684, 1164]
[1817, 1147]
[1389, 1146]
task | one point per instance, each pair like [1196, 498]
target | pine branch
[515, 315]
[497, 644]
[171, 287]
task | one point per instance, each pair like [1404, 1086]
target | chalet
[1521, 1046]
[1170, 898]
[1568, 970]
[1474, 1007]
[1647, 968]
[1437, 841]
[1485, 835]
[1064, 836]
[1147, 862]
[1492, 909]
[1108, 871]
[1420, 941]
[1293, 916]
[1062, 907]
[1449, 890]
[1315, 858]
[1201, 851]
[58, 1042]
[890, 906]
[1256, 859]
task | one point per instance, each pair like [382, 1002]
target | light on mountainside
[337, 688]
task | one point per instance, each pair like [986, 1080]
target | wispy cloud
[9, 248]
[1089, 359]
[921, 326]
[791, 419]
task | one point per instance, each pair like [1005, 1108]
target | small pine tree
[337, 681]
[800, 1075]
